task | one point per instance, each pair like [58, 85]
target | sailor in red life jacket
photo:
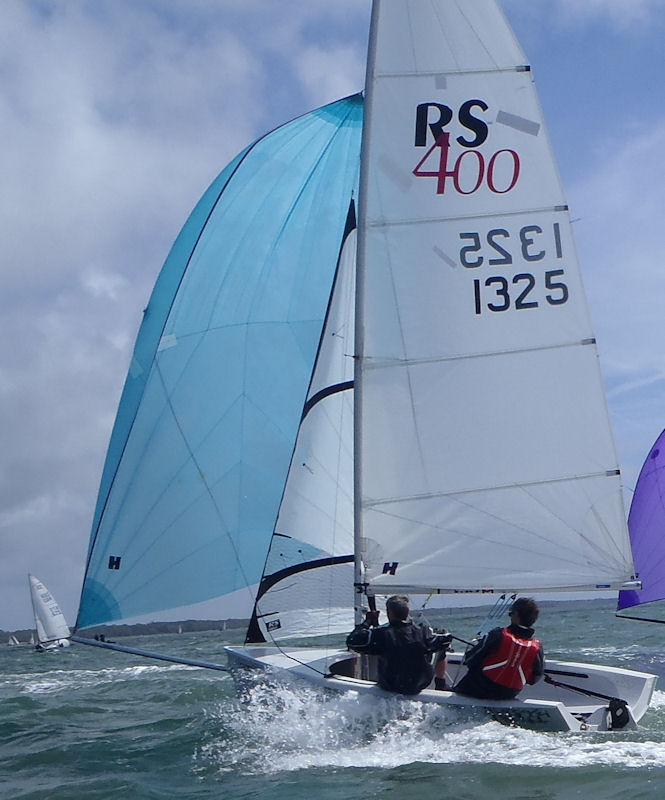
[505, 659]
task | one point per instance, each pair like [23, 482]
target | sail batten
[378, 224]
[369, 503]
[451, 72]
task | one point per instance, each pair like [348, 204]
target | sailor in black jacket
[404, 648]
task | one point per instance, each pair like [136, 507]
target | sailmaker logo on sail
[469, 170]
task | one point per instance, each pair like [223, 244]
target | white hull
[542, 707]
[58, 644]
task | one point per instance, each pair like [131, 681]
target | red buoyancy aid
[512, 664]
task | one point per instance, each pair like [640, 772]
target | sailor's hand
[372, 618]
[445, 637]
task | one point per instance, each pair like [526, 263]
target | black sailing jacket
[404, 651]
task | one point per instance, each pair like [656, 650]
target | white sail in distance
[49, 620]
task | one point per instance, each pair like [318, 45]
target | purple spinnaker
[646, 524]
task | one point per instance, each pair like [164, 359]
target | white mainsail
[485, 454]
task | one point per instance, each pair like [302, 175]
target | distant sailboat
[52, 629]
[13, 640]
[367, 367]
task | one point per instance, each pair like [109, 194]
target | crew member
[404, 648]
[506, 659]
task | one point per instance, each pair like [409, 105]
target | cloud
[620, 208]
[619, 12]
[567, 13]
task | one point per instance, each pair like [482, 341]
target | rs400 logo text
[459, 164]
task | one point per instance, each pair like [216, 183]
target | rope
[580, 690]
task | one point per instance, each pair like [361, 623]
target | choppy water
[83, 723]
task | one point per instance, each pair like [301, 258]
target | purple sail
[646, 523]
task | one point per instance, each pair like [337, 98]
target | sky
[115, 115]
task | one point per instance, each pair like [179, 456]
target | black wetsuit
[476, 684]
[404, 650]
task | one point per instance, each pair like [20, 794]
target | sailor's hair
[526, 609]
[398, 606]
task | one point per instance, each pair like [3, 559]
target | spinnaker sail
[206, 426]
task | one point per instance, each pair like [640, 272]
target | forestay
[485, 453]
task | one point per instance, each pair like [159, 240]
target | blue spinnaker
[209, 414]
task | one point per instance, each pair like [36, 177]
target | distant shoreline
[196, 625]
[145, 629]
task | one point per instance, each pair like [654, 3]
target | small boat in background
[52, 629]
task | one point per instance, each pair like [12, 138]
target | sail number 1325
[523, 289]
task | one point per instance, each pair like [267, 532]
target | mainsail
[484, 449]
[209, 415]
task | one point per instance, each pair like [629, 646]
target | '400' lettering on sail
[469, 169]
[464, 169]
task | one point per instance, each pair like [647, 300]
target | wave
[65, 680]
[277, 728]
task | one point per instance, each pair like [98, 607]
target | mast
[358, 549]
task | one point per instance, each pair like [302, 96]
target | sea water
[87, 723]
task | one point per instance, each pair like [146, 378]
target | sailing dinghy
[367, 367]
[52, 629]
